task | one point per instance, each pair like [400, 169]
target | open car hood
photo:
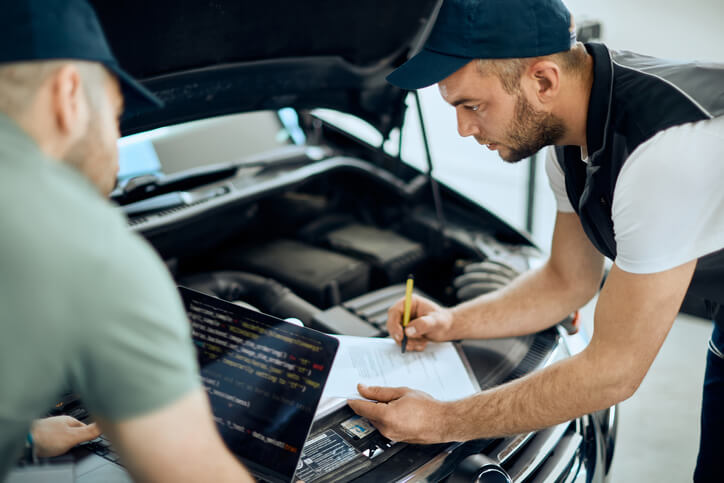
[206, 58]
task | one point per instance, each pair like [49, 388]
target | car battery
[322, 277]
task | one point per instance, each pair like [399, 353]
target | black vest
[632, 98]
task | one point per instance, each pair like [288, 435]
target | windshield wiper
[150, 185]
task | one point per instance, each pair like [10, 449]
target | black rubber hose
[269, 295]
[481, 277]
[492, 266]
[472, 290]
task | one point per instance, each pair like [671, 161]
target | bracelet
[30, 455]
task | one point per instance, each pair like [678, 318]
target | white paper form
[438, 370]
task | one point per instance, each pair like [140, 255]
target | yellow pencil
[408, 306]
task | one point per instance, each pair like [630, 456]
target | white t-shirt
[668, 203]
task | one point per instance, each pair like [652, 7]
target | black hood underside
[205, 58]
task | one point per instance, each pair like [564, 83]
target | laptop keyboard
[102, 447]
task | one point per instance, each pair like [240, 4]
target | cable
[433, 184]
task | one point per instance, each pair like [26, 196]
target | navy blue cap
[486, 29]
[64, 29]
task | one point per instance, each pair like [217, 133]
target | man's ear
[545, 80]
[68, 102]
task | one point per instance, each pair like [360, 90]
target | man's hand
[403, 414]
[428, 321]
[55, 436]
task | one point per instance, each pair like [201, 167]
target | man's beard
[85, 155]
[531, 130]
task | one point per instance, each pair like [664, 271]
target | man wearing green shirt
[86, 305]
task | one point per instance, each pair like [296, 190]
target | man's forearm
[178, 442]
[561, 392]
[532, 302]
[633, 316]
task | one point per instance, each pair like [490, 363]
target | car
[257, 183]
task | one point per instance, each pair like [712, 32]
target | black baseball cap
[33, 30]
[486, 29]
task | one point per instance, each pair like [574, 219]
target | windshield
[173, 149]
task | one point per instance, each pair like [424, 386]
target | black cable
[433, 184]
[399, 144]
[530, 201]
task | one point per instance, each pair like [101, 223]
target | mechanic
[636, 170]
[86, 304]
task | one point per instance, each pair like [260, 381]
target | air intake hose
[269, 295]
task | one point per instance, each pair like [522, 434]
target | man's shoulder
[692, 141]
[664, 92]
[672, 180]
[93, 297]
[50, 204]
[60, 234]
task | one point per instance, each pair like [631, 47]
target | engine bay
[332, 248]
[331, 230]
[331, 243]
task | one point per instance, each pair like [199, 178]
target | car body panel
[210, 58]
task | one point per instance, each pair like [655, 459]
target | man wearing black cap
[87, 305]
[636, 169]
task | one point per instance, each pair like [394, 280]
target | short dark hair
[20, 81]
[509, 71]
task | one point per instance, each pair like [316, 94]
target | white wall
[675, 29]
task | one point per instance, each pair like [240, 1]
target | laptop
[264, 378]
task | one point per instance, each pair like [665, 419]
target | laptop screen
[264, 378]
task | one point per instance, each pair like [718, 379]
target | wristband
[29, 455]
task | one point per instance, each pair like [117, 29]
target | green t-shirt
[85, 304]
